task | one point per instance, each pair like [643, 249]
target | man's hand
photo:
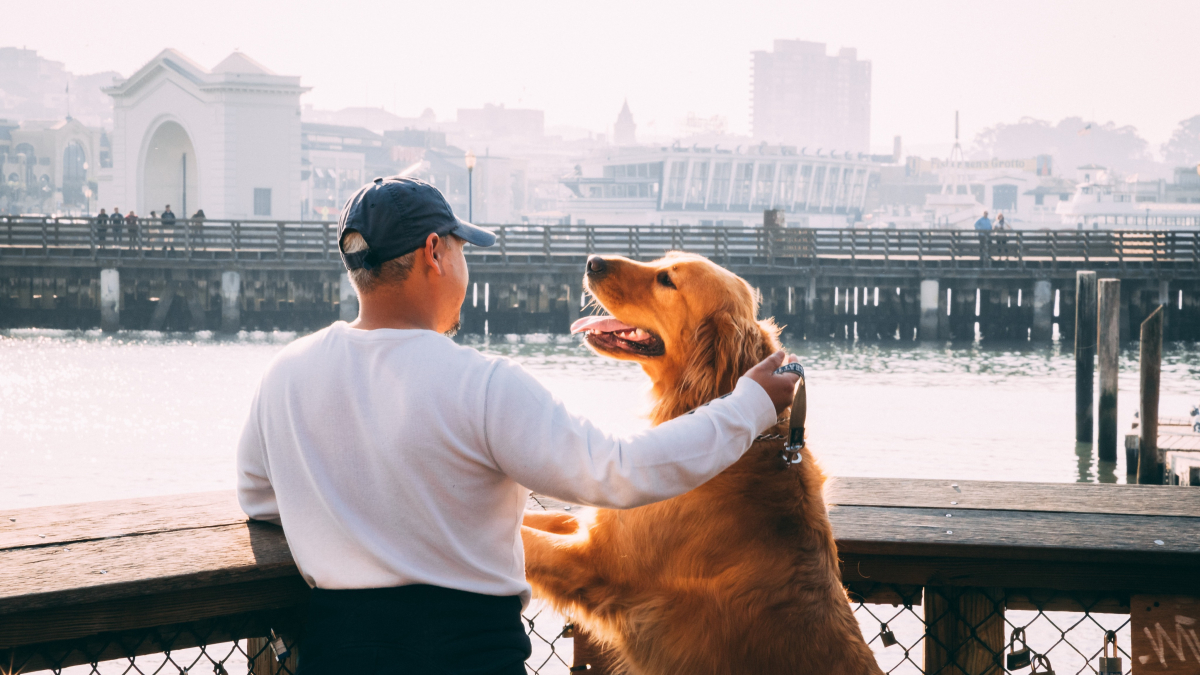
[779, 387]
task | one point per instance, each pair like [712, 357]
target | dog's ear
[724, 347]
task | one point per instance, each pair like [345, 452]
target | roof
[238, 62]
[338, 130]
[236, 71]
[1093, 167]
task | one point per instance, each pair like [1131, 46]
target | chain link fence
[912, 630]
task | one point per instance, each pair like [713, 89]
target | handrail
[312, 242]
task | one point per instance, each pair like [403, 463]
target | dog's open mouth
[608, 334]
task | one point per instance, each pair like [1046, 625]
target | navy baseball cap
[395, 216]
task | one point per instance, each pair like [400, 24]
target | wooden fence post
[1150, 466]
[1085, 354]
[260, 658]
[589, 656]
[964, 630]
[1108, 350]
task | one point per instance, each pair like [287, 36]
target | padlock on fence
[887, 636]
[278, 646]
[1017, 658]
[1110, 665]
[1041, 666]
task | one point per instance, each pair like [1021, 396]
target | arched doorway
[74, 174]
[27, 155]
[169, 172]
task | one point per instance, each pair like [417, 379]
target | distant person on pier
[131, 228]
[102, 227]
[198, 219]
[399, 462]
[116, 220]
[1000, 225]
[168, 227]
[984, 223]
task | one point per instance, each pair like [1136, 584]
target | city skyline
[996, 62]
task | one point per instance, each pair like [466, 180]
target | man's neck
[402, 308]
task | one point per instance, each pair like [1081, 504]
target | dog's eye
[665, 280]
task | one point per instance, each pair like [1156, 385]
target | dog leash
[795, 436]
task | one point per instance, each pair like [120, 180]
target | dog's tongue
[603, 324]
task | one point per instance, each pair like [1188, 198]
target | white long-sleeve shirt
[396, 457]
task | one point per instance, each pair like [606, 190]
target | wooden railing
[88, 582]
[314, 243]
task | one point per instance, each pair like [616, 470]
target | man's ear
[433, 252]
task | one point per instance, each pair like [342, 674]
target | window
[1039, 200]
[262, 201]
[718, 189]
[765, 185]
[742, 178]
[699, 183]
[676, 183]
[1004, 197]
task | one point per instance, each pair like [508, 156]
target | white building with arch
[225, 140]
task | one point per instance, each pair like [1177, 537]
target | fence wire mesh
[934, 631]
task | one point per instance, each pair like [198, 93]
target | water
[87, 416]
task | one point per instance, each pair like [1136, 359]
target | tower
[625, 131]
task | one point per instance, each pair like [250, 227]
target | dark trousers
[417, 630]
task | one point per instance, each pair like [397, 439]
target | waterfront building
[226, 140]
[51, 166]
[625, 131]
[802, 96]
[335, 160]
[1103, 200]
[708, 186]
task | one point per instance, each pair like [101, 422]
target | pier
[947, 568]
[866, 284]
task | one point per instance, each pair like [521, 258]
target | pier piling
[929, 309]
[231, 305]
[110, 300]
[1108, 349]
[1085, 353]
[1150, 466]
[1043, 310]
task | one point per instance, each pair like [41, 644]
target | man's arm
[254, 490]
[535, 441]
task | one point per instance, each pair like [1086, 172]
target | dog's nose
[596, 265]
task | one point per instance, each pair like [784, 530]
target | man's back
[983, 223]
[345, 417]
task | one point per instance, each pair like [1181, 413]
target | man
[984, 223]
[398, 462]
[168, 228]
[102, 227]
[116, 220]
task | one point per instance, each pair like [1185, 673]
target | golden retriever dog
[739, 575]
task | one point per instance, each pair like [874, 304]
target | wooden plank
[1164, 633]
[77, 620]
[1077, 578]
[131, 566]
[97, 520]
[1148, 500]
[964, 630]
[1017, 534]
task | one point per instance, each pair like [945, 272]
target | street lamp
[470, 187]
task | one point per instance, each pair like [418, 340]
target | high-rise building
[625, 131]
[802, 96]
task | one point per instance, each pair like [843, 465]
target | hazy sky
[1129, 62]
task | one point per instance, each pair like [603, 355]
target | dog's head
[688, 322]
